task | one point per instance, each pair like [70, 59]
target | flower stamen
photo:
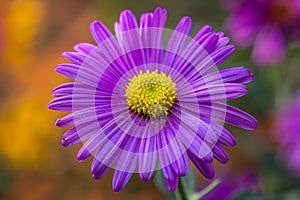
[151, 94]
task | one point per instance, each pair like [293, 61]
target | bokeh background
[34, 165]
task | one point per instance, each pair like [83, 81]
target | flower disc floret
[151, 94]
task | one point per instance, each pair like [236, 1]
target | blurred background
[34, 165]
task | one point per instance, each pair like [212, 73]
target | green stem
[205, 191]
[180, 193]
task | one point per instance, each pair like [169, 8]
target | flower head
[139, 104]
[268, 25]
[287, 129]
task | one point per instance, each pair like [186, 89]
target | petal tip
[117, 187]
[52, 105]
[83, 155]
[172, 184]
[65, 143]
[186, 21]
[58, 122]
[146, 176]
[255, 124]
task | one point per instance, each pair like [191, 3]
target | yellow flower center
[151, 94]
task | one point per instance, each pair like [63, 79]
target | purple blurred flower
[139, 106]
[287, 129]
[231, 186]
[268, 25]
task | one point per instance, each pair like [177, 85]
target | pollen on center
[151, 94]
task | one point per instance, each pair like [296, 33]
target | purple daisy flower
[139, 105]
[287, 129]
[267, 25]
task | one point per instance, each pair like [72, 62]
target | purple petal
[204, 30]
[159, 17]
[127, 163]
[188, 136]
[82, 116]
[171, 179]
[195, 51]
[70, 137]
[231, 75]
[178, 40]
[222, 54]
[128, 21]
[225, 137]
[61, 103]
[98, 169]
[145, 21]
[85, 48]
[99, 32]
[205, 168]
[74, 102]
[152, 37]
[222, 42]
[68, 70]
[70, 88]
[181, 165]
[84, 75]
[210, 44]
[209, 93]
[171, 151]
[65, 121]
[90, 147]
[148, 158]
[220, 154]
[75, 57]
[63, 90]
[214, 59]
[105, 142]
[130, 39]
[120, 180]
[230, 114]
[174, 153]
[79, 134]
